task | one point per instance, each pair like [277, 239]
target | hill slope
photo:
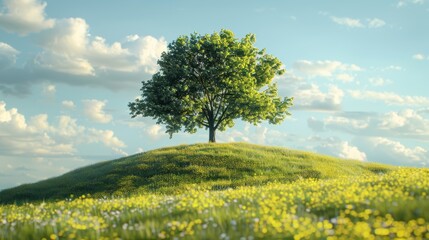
[174, 169]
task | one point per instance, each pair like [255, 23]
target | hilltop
[175, 169]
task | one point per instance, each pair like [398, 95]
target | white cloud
[132, 38]
[63, 63]
[94, 110]
[344, 77]
[68, 104]
[7, 55]
[33, 138]
[113, 57]
[257, 134]
[71, 56]
[68, 127]
[154, 131]
[64, 46]
[419, 56]
[107, 137]
[378, 82]
[393, 67]
[68, 37]
[254, 134]
[349, 22]
[375, 23]
[390, 98]
[310, 97]
[341, 149]
[149, 50]
[403, 3]
[24, 16]
[38, 137]
[37, 149]
[325, 68]
[49, 90]
[384, 150]
[69, 49]
[409, 124]
[120, 152]
[358, 23]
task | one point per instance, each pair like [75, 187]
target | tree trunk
[212, 135]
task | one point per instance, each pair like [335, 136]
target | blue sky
[357, 70]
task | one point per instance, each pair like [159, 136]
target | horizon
[67, 73]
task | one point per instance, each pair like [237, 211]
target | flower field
[390, 206]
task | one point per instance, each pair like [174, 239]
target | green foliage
[174, 169]
[208, 81]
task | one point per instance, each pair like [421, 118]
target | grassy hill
[175, 169]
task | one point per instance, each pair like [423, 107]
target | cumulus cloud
[390, 98]
[409, 124]
[68, 48]
[38, 137]
[22, 138]
[63, 63]
[310, 97]
[341, 149]
[24, 16]
[94, 110]
[113, 57]
[68, 128]
[78, 70]
[64, 46]
[71, 55]
[149, 49]
[384, 150]
[154, 131]
[68, 36]
[107, 137]
[68, 104]
[7, 55]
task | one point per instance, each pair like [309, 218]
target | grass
[173, 170]
[222, 191]
[393, 205]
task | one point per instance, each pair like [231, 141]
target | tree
[208, 81]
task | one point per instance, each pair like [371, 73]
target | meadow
[222, 191]
[394, 205]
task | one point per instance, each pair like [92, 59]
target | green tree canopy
[211, 80]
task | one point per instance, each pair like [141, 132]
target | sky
[358, 72]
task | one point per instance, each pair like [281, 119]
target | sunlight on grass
[371, 206]
[172, 170]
